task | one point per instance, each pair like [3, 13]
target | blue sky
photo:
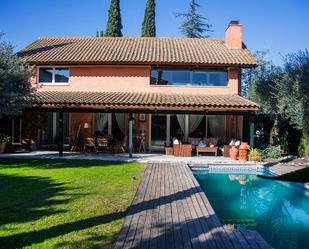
[280, 26]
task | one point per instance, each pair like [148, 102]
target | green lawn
[64, 204]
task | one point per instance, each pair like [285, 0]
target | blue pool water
[278, 211]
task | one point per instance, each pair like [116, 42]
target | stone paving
[138, 157]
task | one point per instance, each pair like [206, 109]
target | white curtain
[182, 122]
[100, 121]
[194, 122]
[120, 117]
[216, 124]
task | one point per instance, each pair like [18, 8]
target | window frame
[53, 83]
[201, 70]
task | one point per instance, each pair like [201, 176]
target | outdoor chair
[182, 150]
[89, 144]
[103, 144]
[120, 145]
[67, 143]
[28, 144]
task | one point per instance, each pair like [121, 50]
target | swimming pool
[279, 211]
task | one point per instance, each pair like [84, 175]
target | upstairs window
[188, 78]
[54, 75]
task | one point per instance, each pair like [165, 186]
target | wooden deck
[171, 211]
[281, 169]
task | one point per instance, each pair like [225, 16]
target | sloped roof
[135, 100]
[135, 50]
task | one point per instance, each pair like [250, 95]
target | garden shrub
[303, 148]
[272, 152]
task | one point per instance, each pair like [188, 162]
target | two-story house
[150, 89]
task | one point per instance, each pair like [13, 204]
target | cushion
[193, 140]
[237, 143]
[201, 144]
[176, 141]
[213, 141]
[233, 141]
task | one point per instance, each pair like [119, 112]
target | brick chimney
[233, 35]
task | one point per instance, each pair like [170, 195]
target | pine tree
[149, 22]
[114, 26]
[100, 33]
[194, 24]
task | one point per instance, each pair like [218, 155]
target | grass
[64, 203]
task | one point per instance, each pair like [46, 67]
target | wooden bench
[207, 150]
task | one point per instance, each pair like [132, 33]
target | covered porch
[127, 123]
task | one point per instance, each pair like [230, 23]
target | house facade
[145, 91]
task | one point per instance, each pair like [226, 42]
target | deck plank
[137, 212]
[153, 243]
[177, 233]
[132, 210]
[171, 211]
[189, 212]
[147, 227]
[146, 206]
[182, 220]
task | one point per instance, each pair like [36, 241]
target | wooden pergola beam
[239, 112]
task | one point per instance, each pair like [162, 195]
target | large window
[54, 75]
[188, 78]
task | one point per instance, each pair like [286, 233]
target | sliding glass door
[158, 132]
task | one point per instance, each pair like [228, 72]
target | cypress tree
[114, 26]
[149, 22]
[97, 35]
[101, 33]
[194, 24]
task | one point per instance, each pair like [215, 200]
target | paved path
[137, 157]
[171, 211]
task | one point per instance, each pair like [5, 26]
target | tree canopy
[282, 92]
[14, 81]
[194, 24]
[114, 26]
[149, 22]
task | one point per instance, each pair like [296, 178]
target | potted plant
[255, 155]
[4, 139]
[234, 153]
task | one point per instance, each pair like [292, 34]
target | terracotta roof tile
[106, 50]
[141, 100]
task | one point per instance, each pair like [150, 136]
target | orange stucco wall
[130, 78]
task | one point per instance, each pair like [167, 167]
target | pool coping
[249, 168]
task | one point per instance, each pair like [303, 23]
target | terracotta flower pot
[244, 146]
[233, 153]
[2, 147]
[255, 158]
[243, 151]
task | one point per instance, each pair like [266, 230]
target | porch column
[186, 133]
[109, 124]
[251, 124]
[61, 138]
[54, 126]
[131, 134]
[168, 129]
